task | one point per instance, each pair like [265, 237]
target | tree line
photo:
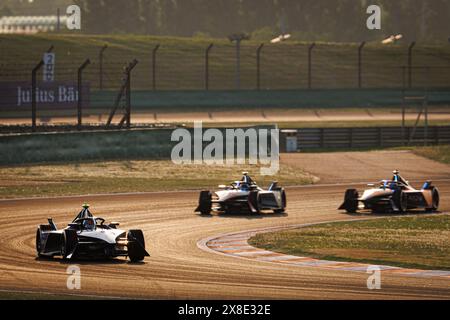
[327, 20]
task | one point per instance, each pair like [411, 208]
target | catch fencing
[201, 65]
[91, 79]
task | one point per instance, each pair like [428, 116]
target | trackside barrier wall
[92, 145]
[345, 138]
[157, 144]
[84, 146]
[316, 98]
[143, 101]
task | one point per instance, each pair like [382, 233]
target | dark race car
[395, 195]
[89, 237]
[243, 196]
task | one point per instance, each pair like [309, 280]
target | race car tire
[283, 202]
[205, 203]
[401, 201]
[137, 242]
[254, 201]
[351, 200]
[69, 242]
[435, 200]
[38, 243]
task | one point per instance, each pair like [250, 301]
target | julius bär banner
[59, 95]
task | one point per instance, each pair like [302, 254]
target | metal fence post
[237, 38]
[128, 92]
[427, 71]
[2, 54]
[208, 49]
[403, 104]
[360, 48]
[310, 49]
[33, 94]
[58, 20]
[258, 66]
[80, 92]
[410, 50]
[154, 66]
[100, 71]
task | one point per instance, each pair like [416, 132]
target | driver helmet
[244, 186]
[393, 185]
[89, 224]
[246, 178]
[396, 175]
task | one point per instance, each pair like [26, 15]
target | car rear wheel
[136, 245]
[205, 203]
[253, 199]
[401, 201]
[38, 243]
[283, 202]
[351, 200]
[435, 200]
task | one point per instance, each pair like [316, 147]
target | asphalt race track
[177, 268]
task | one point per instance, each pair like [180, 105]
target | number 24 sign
[49, 67]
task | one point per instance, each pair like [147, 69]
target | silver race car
[395, 195]
[243, 196]
[89, 237]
